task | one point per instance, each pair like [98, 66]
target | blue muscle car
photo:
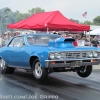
[46, 53]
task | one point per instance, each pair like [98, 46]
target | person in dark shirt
[95, 42]
[75, 43]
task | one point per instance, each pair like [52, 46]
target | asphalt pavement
[58, 86]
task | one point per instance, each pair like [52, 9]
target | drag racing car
[46, 53]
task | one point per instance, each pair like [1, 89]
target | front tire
[85, 71]
[4, 68]
[39, 72]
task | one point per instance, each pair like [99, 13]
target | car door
[18, 56]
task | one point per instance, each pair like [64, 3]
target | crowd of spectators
[80, 39]
[6, 36]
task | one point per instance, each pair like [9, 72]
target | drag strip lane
[67, 87]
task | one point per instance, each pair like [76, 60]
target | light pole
[0, 26]
[7, 10]
[3, 14]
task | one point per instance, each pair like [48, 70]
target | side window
[31, 40]
[17, 42]
[11, 43]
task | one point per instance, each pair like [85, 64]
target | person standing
[95, 42]
[75, 43]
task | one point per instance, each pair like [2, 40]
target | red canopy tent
[51, 21]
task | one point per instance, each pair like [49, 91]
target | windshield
[40, 39]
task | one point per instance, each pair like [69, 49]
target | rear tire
[4, 68]
[39, 72]
[85, 71]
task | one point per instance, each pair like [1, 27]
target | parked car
[46, 53]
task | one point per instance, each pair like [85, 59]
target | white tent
[94, 32]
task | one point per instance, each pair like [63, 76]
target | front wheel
[85, 71]
[39, 72]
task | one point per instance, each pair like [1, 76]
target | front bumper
[67, 62]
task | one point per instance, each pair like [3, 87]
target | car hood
[81, 48]
[66, 44]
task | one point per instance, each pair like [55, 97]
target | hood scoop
[62, 42]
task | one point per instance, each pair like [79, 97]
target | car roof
[38, 34]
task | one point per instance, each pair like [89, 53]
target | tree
[77, 21]
[87, 22]
[21, 16]
[7, 16]
[96, 20]
[35, 10]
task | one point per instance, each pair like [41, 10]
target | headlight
[95, 54]
[52, 56]
[58, 55]
[90, 55]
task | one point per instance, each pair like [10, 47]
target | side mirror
[23, 44]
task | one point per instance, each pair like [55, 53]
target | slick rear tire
[39, 72]
[4, 68]
[85, 71]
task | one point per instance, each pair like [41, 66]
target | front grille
[76, 55]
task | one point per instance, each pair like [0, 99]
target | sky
[69, 8]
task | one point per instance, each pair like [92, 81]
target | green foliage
[77, 21]
[35, 10]
[87, 22]
[7, 16]
[96, 20]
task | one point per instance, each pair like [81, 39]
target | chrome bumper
[67, 62]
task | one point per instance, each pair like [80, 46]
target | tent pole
[47, 30]
[89, 38]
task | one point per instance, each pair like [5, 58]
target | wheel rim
[38, 70]
[83, 70]
[2, 64]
